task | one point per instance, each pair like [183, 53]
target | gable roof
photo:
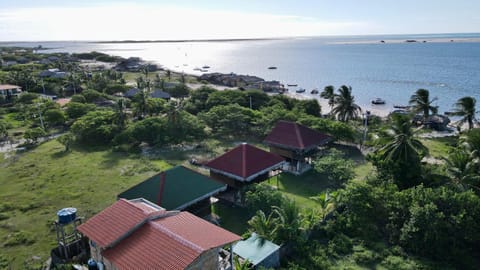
[295, 136]
[175, 189]
[131, 92]
[160, 94]
[245, 162]
[172, 241]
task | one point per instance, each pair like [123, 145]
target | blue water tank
[67, 215]
[92, 264]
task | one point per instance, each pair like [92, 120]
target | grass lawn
[440, 147]
[232, 218]
[38, 183]
[301, 188]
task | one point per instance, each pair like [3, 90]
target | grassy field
[440, 147]
[36, 184]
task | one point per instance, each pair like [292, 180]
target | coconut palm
[402, 145]
[465, 107]
[264, 226]
[345, 108]
[462, 168]
[329, 93]
[421, 103]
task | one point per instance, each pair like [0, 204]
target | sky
[42, 20]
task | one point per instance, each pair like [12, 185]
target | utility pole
[366, 115]
[40, 114]
[250, 102]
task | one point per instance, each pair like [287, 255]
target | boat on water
[272, 67]
[206, 67]
[197, 69]
[405, 107]
[292, 85]
[301, 90]
[378, 101]
[314, 91]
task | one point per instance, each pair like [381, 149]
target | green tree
[401, 153]
[95, 128]
[67, 140]
[335, 166]
[231, 119]
[198, 99]
[345, 108]
[263, 225]
[32, 135]
[465, 108]
[462, 168]
[54, 117]
[329, 93]
[179, 91]
[75, 110]
[421, 103]
[309, 106]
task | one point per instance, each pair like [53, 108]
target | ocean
[447, 65]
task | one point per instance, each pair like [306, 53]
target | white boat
[378, 101]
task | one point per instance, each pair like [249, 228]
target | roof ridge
[177, 237]
[244, 160]
[299, 135]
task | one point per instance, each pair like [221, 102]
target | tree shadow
[306, 185]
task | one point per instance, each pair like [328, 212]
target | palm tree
[288, 221]
[345, 108]
[402, 145]
[329, 93]
[264, 226]
[465, 107]
[421, 103]
[462, 168]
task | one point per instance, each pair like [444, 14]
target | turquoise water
[391, 70]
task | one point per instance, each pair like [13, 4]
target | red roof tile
[170, 242]
[245, 161]
[295, 136]
[112, 222]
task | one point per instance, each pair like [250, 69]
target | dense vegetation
[406, 214]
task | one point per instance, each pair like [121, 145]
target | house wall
[207, 260]
[95, 253]
[282, 152]
[271, 261]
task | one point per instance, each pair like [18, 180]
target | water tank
[67, 215]
[92, 264]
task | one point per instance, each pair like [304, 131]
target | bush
[76, 110]
[364, 256]
[78, 98]
[340, 245]
[263, 197]
[33, 134]
[92, 95]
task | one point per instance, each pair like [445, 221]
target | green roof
[182, 188]
[255, 249]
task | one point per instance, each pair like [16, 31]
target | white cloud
[130, 21]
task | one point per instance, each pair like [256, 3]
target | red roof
[245, 161]
[295, 136]
[170, 242]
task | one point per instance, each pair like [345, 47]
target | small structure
[131, 92]
[8, 91]
[259, 252]
[178, 188]
[68, 238]
[138, 234]
[296, 143]
[243, 165]
[160, 94]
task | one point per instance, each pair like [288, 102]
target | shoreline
[408, 41]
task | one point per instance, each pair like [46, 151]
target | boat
[314, 91]
[405, 107]
[378, 101]
[292, 85]
[272, 67]
[301, 90]
[206, 67]
[197, 69]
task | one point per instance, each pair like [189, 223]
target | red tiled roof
[245, 161]
[170, 242]
[112, 222]
[295, 136]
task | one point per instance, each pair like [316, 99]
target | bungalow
[178, 188]
[137, 234]
[8, 91]
[296, 143]
[160, 94]
[243, 165]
